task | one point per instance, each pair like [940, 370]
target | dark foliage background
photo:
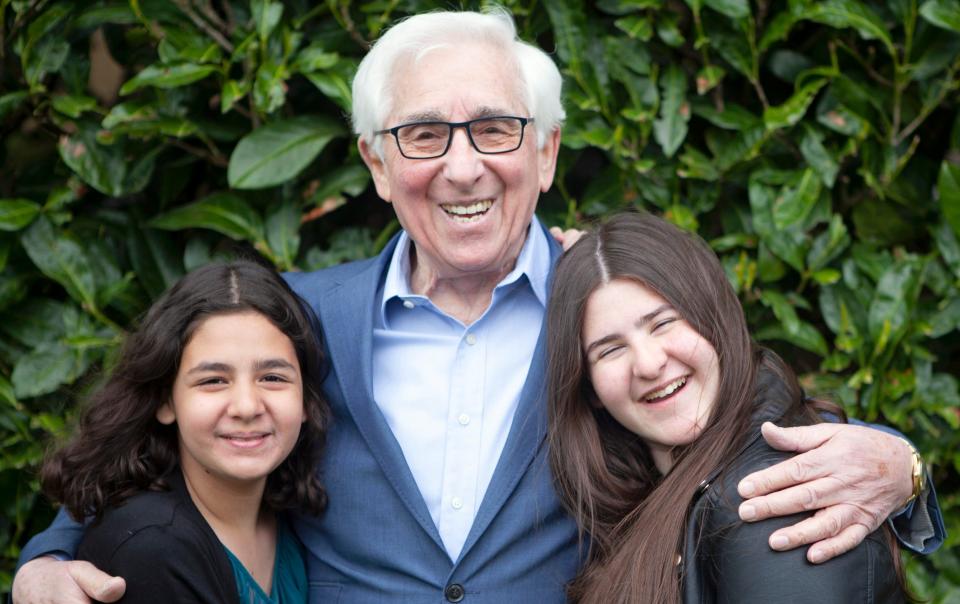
[816, 145]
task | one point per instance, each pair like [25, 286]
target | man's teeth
[467, 213]
[666, 390]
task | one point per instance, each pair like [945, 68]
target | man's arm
[855, 477]
[46, 573]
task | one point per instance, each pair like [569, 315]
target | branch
[184, 7]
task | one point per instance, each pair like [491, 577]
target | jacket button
[454, 592]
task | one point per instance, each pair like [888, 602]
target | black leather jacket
[726, 560]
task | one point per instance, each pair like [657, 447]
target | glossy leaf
[167, 76]
[61, 258]
[794, 203]
[283, 233]
[12, 100]
[17, 213]
[42, 370]
[734, 9]
[948, 187]
[670, 129]
[225, 213]
[278, 151]
[942, 13]
[790, 112]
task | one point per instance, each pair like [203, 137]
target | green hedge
[816, 145]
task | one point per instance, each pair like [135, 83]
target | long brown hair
[605, 475]
[119, 448]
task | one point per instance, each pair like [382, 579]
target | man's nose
[463, 163]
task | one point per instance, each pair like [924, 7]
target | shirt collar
[533, 262]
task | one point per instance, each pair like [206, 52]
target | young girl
[206, 430]
[657, 397]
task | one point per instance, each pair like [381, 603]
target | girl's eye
[663, 322]
[273, 377]
[608, 351]
[212, 381]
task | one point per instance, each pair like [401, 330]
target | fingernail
[817, 556]
[747, 488]
[779, 542]
[748, 512]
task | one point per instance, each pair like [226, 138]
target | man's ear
[547, 160]
[165, 413]
[377, 168]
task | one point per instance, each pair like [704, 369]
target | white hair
[415, 36]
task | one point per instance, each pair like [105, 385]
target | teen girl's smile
[649, 368]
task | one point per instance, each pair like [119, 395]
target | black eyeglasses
[491, 135]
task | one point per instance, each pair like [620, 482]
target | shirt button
[471, 339]
[456, 503]
[408, 304]
[454, 593]
[464, 419]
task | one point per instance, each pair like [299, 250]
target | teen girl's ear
[165, 413]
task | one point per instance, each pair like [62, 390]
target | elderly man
[436, 467]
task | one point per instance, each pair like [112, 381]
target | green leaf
[567, 19]
[283, 233]
[782, 309]
[61, 258]
[277, 152]
[777, 29]
[850, 13]
[73, 105]
[11, 101]
[670, 129]
[167, 76]
[708, 78]
[314, 58]
[625, 7]
[43, 370]
[351, 180]
[942, 13]
[266, 15]
[38, 320]
[819, 158]
[790, 112]
[890, 309]
[17, 213]
[948, 186]
[732, 117]
[101, 167]
[827, 246]
[806, 337]
[155, 259]
[635, 26]
[669, 31]
[225, 213]
[269, 87]
[794, 203]
[232, 92]
[735, 9]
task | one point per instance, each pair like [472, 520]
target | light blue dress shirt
[449, 391]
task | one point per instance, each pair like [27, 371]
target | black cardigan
[727, 560]
[164, 549]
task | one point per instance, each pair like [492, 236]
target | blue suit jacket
[377, 542]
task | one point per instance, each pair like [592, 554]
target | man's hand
[47, 581]
[855, 477]
[566, 238]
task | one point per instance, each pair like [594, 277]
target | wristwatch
[917, 473]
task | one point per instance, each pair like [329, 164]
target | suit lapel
[347, 314]
[527, 432]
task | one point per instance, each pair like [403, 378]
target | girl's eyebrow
[210, 366]
[638, 323]
[278, 363]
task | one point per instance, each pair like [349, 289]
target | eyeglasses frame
[466, 127]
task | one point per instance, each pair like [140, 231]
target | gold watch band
[917, 473]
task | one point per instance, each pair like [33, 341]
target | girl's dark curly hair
[119, 448]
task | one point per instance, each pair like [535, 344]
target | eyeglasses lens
[429, 139]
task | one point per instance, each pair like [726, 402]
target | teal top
[289, 573]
